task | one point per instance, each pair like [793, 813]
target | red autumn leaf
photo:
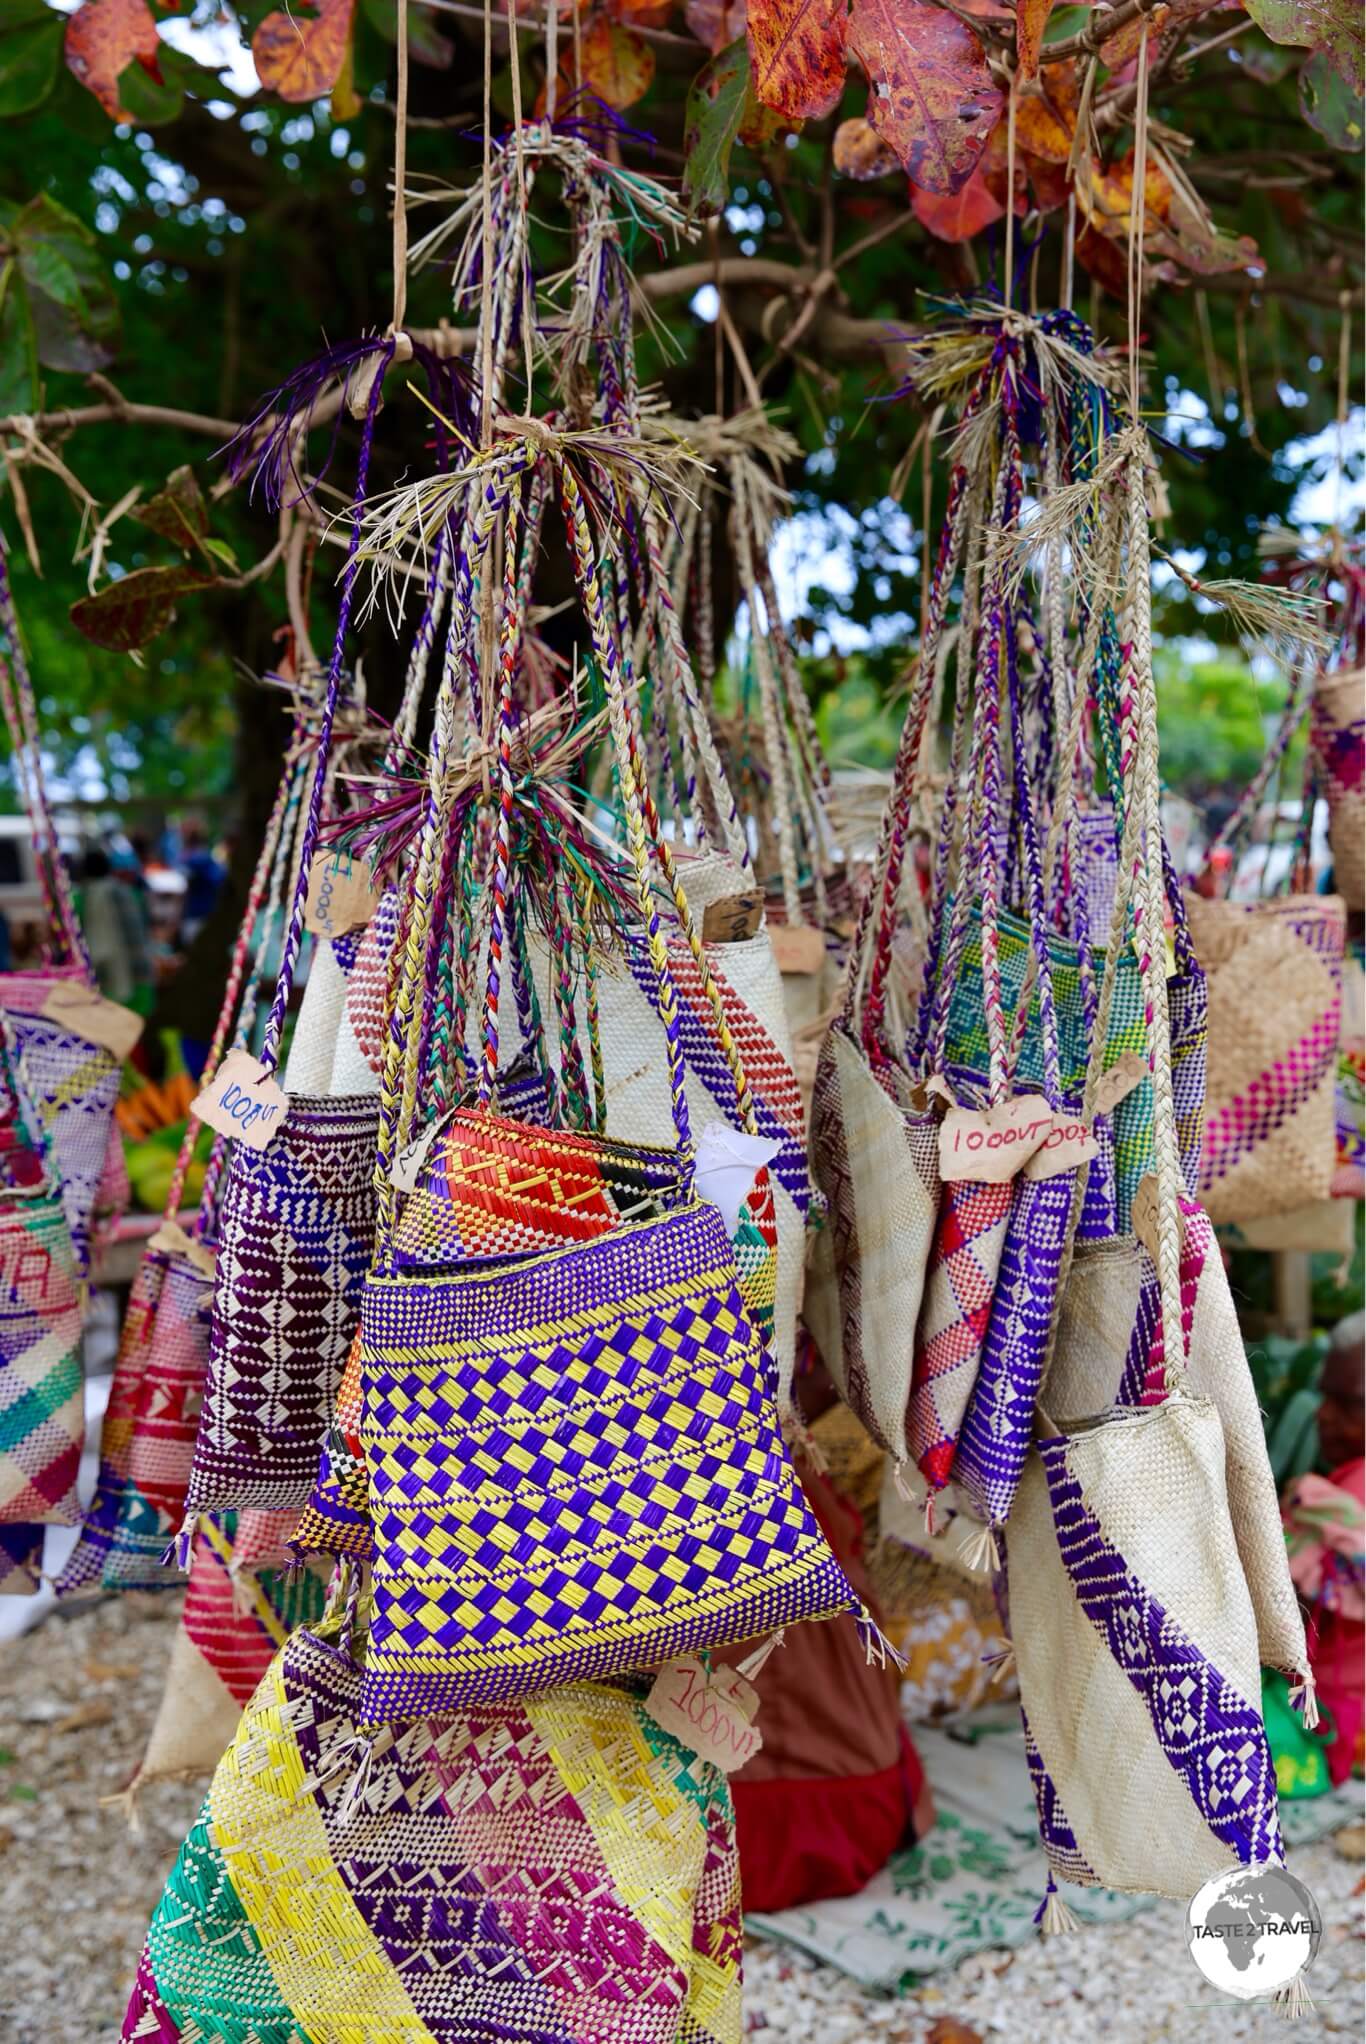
[860, 152]
[1031, 19]
[994, 168]
[930, 91]
[796, 53]
[299, 55]
[958, 216]
[1103, 261]
[1048, 181]
[715, 23]
[618, 65]
[1122, 47]
[103, 38]
[643, 13]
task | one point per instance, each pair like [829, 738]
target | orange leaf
[1122, 47]
[957, 216]
[644, 13]
[715, 23]
[299, 55]
[1049, 181]
[860, 151]
[618, 65]
[103, 38]
[796, 53]
[1046, 122]
[930, 90]
[1031, 19]
[1106, 196]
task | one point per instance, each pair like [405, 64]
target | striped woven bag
[42, 1382]
[1135, 1635]
[559, 1869]
[1337, 732]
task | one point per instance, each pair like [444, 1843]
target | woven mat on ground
[978, 1877]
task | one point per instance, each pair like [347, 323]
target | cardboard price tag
[407, 1166]
[732, 919]
[341, 895]
[171, 1238]
[713, 1714]
[994, 1143]
[87, 1014]
[241, 1100]
[1144, 1216]
[1119, 1082]
[797, 947]
[1067, 1144]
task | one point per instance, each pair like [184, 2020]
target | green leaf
[20, 386]
[221, 551]
[1329, 104]
[178, 512]
[715, 109]
[74, 311]
[1332, 26]
[126, 615]
[147, 101]
[30, 52]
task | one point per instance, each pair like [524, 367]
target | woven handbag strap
[1142, 887]
[294, 927]
[21, 718]
[268, 874]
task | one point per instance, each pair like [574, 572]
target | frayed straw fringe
[979, 1554]
[1293, 2001]
[1304, 1699]
[1054, 1918]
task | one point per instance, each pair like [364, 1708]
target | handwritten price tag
[241, 1100]
[341, 895]
[407, 1166]
[713, 1714]
[87, 1014]
[732, 919]
[994, 1143]
[1067, 1144]
[1144, 1216]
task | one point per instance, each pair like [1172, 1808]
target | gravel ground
[77, 1697]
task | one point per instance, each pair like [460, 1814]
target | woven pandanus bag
[556, 1869]
[1275, 1009]
[42, 1382]
[73, 1085]
[1337, 733]
[295, 1238]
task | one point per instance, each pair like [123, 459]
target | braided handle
[289, 958]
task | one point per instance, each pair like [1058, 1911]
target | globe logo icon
[1252, 1930]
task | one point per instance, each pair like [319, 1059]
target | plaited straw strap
[286, 795]
[782, 791]
[21, 716]
[294, 930]
[509, 646]
[419, 657]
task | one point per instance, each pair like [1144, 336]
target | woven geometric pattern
[998, 1426]
[1213, 1737]
[73, 1086]
[336, 1519]
[953, 1322]
[160, 1450]
[968, 1060]
[1349, 1172]
[549, 1874]
[1337, 732]
[1275, 1010]
[295, 1239]
[1065, 1857]
[42, 1383]
[497, 1187]
[85, 1566]
[575, 1468]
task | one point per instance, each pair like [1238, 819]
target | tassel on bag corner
[1294, 2001]
[1053, 1917]
[1304, 1699]
[979, 1553]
